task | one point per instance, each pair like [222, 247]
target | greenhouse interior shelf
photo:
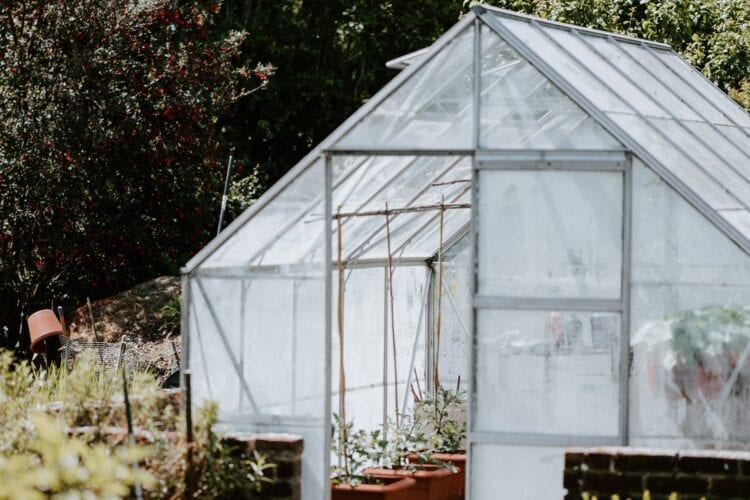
[524, 208]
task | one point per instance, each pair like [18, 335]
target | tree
[109, 155]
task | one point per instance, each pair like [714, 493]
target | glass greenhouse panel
[689, 324]
[673, 81]
[285, 212]
[455, 314]
[364, 344]
[430, 110]
[368, 363]
[517, 472]
[632, 66]
[565, 65]
[432, 181]
[579, 46]
[521, 109]
[547, 372]
[722, 142]
[719, 99]
[682, 166]
[550, 234]
[214, 342]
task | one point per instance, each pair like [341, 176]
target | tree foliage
[109, 153]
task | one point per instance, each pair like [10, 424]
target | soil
[136, 313]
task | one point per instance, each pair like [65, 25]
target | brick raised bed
[629, 472]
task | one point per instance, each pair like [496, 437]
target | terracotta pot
[42, 326]
[390, 489]
[433, 483]
[459, 461]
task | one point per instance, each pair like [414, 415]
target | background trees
[116, 120]
[109, 151]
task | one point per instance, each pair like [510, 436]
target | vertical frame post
[327, 269]
[385, 352]
[627, 203]
[473, 233]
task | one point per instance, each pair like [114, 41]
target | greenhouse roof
[545, 89]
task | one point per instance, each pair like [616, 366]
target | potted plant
[357, 450]
[435, 479]
[702, 349]
[442, 420]
[374, 464]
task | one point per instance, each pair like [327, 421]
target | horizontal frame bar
[545, 304]
[615, 156]
[399, 152]
[528, 439]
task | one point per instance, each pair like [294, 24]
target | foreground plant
[84, 406]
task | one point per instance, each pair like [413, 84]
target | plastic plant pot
[43, 325]
[433, 483]
[390, 489]
[458, 459]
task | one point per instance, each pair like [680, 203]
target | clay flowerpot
[459, 461]
[43, 325]
[389, 489]
[433, 483]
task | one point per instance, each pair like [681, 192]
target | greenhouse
[551, 219]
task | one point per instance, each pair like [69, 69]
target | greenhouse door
[550, 307]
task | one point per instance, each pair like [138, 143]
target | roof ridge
[560, 25]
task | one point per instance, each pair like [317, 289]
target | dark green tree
[109, 161]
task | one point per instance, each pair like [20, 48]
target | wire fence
[108, 356]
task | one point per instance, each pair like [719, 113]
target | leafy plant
[171, 315]
[87, 405]
[56, 465]
[388, 449]
[709, 332]
[442, 419]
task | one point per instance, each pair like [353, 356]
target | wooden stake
[343, 438]
[188, 437]
[438, 321]
[393, 312]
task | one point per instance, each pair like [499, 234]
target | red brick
[691, 484]
[730, 487]
[611, 483]
[660, 483]
[597, 461]
[707, 465]
[645, 463]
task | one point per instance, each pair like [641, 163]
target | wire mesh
[108, 356]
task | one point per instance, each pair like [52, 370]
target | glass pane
[674, 82]
[724, 144]
[431, 109]
[455, 315]
[538, 370]
[708, 90]
[658, 92]
[521, 108]
[673, 159]
[689, 317]
[716, 165]
[562, 62]
[300, 200]
[517, 472]
[550, 234]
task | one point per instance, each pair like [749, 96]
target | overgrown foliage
[110, 165]
[79, 415]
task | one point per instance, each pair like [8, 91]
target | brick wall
[284, 450]
[630, 472]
